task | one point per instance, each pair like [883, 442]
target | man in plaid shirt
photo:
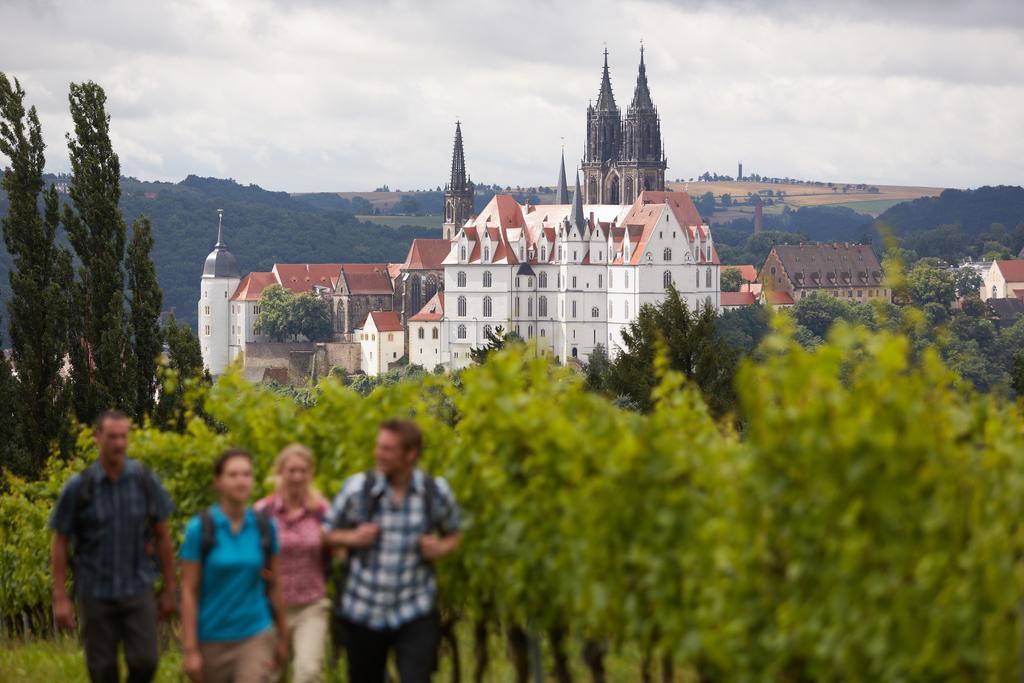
[396, 521]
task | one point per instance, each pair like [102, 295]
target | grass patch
[872, 207]
[46, 661]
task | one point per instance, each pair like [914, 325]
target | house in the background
[427, 347]
[381, 341]
[792, 272]
[1004, 280]
[730, 301]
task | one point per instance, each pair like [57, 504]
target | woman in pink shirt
[299, 510]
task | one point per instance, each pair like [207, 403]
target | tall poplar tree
[145, 300]
[13, 456]
[100, 348]
[39, 280]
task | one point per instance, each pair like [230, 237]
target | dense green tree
[596, 369]
[1017, 374]
[817, 313]
[497, 339]
[146, 301]
[275, 318]
[968, 282]
[731, 279]
[99, 336]
[311, 317]
[692, 345]
[39, 280]
[744, 328]
[926, 283]
[180, 371]
[13, 455]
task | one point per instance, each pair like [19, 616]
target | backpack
[208, 539]
[371, 503]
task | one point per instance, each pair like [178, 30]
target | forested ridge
[260, 228]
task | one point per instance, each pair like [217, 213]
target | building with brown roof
[1004, 279]
[845, 271]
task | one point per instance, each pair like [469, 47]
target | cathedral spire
[642, 94]
[576, 217]
[605, 99]
[562, 191]
[458, 180]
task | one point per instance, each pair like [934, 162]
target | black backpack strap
[207, 537]
[429, 502]
[370, 502]
[148, 491]
[266, 536]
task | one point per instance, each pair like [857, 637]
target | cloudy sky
[307, 95]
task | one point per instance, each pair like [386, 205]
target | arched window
[529, 332]
[559, 253]
[697, 273]
[627, 310]
[544, 253]
[707, 300]
[993, 288]
[487, 330]
[707, 279]
[421, 334]
[487, 254]
[416, 293]
[487, 307]
[487, 278]
[627, 279]
[529, 282]
[434, 333]
[594, 312]
[542, 279]
[461, 278]
[529, 307]
[666, 279]
[543, 332]
[462, 332]
[391, 336]
[462, 305]
[667, 254]
[542, 306]
[574, 309]
[575, 353]
[462, 253]
[600, 281]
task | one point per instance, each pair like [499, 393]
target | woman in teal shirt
[231, 598]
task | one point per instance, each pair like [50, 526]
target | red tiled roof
[302, 277]
[386, 321]
[252, 285]
[747, 273]
[1013, 271]
[778, 298]
[394, 270]
[427, 254]
[432, 312]
[367, 278]
[738, 299]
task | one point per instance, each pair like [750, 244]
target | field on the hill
[796, 195]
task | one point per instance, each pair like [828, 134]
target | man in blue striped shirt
[113, 516]
[396, 521]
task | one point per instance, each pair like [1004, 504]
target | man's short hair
[408, 433]
[112, 414]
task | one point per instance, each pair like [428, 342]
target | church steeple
[562, 191]
[458, 193]
[576, 216]
[605, 98]
[642, 94]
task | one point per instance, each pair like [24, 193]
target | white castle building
[570, 277]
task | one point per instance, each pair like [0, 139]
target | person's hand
[64, 612]
[281, 652]
[192, 663]
[168, 604]
[365, 535]
[431, 547]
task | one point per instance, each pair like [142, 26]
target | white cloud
[331, 96]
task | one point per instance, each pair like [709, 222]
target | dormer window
[487, 254]
[543, 253]
[462, 252]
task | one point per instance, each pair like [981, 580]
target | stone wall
[297, 362]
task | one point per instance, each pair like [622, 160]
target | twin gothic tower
[623, 157]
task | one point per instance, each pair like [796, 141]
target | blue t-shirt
[233, 601]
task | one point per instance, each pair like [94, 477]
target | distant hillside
[260, 228]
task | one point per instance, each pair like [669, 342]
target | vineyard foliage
[864, 523]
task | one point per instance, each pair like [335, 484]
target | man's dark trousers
[415, 644]
[130, 622]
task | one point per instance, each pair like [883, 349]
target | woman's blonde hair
[313, 495]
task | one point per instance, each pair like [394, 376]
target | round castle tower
[220, 280]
